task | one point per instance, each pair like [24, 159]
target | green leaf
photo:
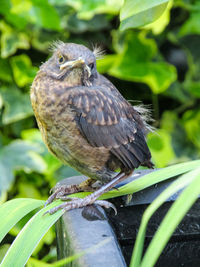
[19, 155]
[14, 210]
[160, 145]
[17, 105]
[160, 24]
[140, 67]
[11, 40]
[172, 219]
[87, 9]
[149, 180]
[5, 73]
[141, 12]
[192, 24]
[3, 249]
[23, 70]
[37, 12]
[52, 163]
[171, 190]
[191, 120]
[104, 64]
[39, 225]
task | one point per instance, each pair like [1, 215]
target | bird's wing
[107, 121]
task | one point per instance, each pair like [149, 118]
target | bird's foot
[60, 191]
[74, 203]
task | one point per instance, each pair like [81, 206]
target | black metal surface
[183, 248]
[76, 234]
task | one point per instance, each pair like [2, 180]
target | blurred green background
[158, 65]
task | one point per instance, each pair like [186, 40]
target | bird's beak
[73, 63]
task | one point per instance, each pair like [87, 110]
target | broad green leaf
[5, 73]
[176, 186]
[11, 40]
[87, 9]
[5, 6]
[12, 211]
[140, 12]
[140, 67]
[193, 87]
[172, 219]
[104, 64]
[19, 155]
[159, 25]
[39, 225]
[23, 70]
[17, 105]
[160, 145]
[192, 125]
[192, 24]
[37, 12]
[52, 163]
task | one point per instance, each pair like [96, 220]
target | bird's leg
[92, 198]
[64, 190]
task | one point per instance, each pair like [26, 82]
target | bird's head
[71, 60]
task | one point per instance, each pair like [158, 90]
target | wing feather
[107, 120]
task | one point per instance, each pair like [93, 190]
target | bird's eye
[91, 65]
[61, 59]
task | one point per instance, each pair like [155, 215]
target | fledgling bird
[86, 123]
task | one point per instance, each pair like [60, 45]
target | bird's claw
[61, 191]
[79, 203]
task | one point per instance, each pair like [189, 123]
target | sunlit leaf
[192, 125]
[12, 211]
[12, 40]
[37, 12]
[39, 225]
[87, 9]
[192, 24]
[19, 155]
[149, 180]
[17, 105]
[3, 249]
[161, 148]
[141, 12]
[23, 70]
[140, 67]
[159, 25]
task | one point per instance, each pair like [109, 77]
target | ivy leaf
[161, 148]
[19, 155]
[87, 9]
[191, 120]
[192, 24]
[140, 67]
[159, 25]
[17, 105]
[11, 40]
[5, 73]
[23, 70]
[37, 12]
[141, 12]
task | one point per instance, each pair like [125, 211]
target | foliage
[156, 63]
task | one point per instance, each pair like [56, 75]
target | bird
[87, 124]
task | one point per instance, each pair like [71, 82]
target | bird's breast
[60, 132]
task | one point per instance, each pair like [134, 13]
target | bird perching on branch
[86, 123]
